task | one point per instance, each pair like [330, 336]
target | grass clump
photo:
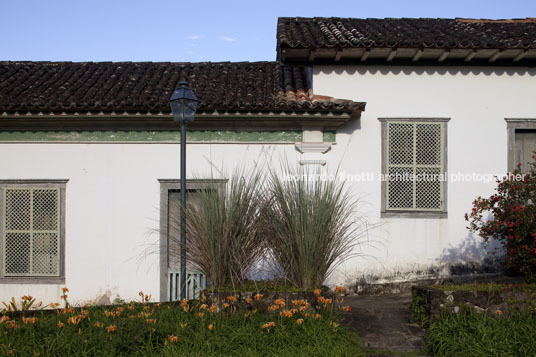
[472, 334]
[299, 229]
[312, 225]
[224, 238]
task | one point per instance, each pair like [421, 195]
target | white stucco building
[89, 151]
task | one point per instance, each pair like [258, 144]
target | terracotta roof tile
[129, 86]
[322, 32]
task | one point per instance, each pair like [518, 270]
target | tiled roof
[406, 33]
[130, 86]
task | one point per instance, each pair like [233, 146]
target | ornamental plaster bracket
[312, 148]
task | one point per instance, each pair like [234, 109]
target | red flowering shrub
[509, 216]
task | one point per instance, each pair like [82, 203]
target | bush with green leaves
[509, 217]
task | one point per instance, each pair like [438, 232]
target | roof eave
[407, 55]
[291, 119]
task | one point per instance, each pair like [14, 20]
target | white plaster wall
[476, 99]
[113, 207]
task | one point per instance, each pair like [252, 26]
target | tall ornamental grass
[224, 238]
[311, 224]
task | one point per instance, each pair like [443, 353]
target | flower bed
[229, 326]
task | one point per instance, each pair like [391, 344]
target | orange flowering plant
[153, 328]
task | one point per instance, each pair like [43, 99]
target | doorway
[170, 238]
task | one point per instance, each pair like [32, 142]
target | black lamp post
[183, 106]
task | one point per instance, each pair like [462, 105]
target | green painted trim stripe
[329, 136]
[150, 136]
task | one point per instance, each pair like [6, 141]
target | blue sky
[196, 31]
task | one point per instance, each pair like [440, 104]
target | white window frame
[60, 185]
[415, 212]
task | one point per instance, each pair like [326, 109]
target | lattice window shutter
[415, 166]
[31, 229]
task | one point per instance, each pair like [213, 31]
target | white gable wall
[476, 99]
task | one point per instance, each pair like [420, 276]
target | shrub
[311, 225]
[223, 233]
[513, 220]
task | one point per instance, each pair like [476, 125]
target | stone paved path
[383, 322]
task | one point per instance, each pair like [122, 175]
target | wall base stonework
[514, 297]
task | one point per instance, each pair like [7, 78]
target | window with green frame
[414, 165]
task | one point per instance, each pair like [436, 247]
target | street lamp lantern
[183, 104]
